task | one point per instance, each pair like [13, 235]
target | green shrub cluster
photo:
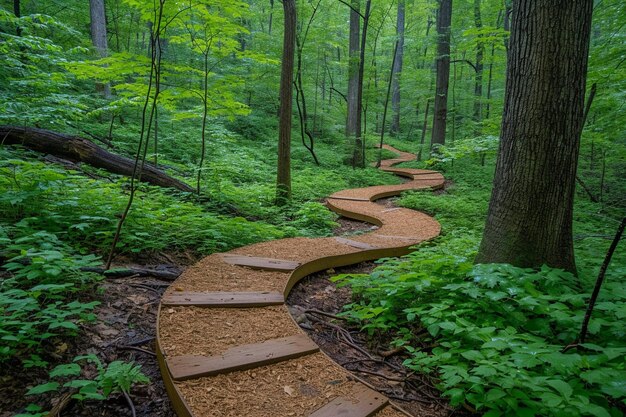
[491, 336]
[40, 300]
[499, 333]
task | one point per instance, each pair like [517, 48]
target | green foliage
[499, 332]
[477, 147]
[38, 301]
[34, 87]
[117, 376]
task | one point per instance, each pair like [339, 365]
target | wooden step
[267, 264]
[362, 402]
[241, 357]
[350, 198]
[223, 299]
[355, 244]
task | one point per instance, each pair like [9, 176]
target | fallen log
[77, 149]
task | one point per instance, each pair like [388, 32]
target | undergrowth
[491, 336]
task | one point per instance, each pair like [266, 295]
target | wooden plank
[241, 357]
[350, 198]
[419, 174]
[268, 264]
[396, 237]
[355, 244]
[361, 402]
[223, 299]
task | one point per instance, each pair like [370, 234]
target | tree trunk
[424, 128]
[353, 79]
[382, 130]
[440, 111]
[283, 178]
[480, 52]
[529, 222]
[269, 30]
[78, 149]
[99, 36]
[17, 11]
[359, 148]
[397, 70]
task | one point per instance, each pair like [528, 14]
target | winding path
[226, 343]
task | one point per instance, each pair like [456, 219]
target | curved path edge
[398, 230]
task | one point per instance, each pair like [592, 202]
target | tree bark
[99, 36]
[353, 79]
[77, 149]
[529, 222]
[478, 80]
[17, 11]
[440, 110]
[283, 178]
[359, 148]
[269, 30]
[397, 70]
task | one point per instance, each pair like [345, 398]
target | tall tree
[359, 147]
[397, 69]
[18, 13]
[442, 64]
[353, 79]
[480, 52]
[529, 222]
[283, 177]
[99, 36]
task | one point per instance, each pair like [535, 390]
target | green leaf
[473, 355]
[561, 386]
[495, 394]
[70, 369]
[43, 388]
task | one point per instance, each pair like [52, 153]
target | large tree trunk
[283, 178]
[78, 149]
[99, 36]
[353, 80]
[397, 70]
[440, 111]
[529, 222]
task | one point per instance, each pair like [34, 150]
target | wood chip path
[226, 343]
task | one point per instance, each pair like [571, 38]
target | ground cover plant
[492, 336]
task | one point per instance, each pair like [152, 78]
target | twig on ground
[130, 404]
[138, 349]
[323, 313]
[388, 378]
[146, 287]
[379, 361]
[141, 341]
[60, 405]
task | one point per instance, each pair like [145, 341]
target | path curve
[226, 343]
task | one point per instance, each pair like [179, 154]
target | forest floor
[126, 326]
